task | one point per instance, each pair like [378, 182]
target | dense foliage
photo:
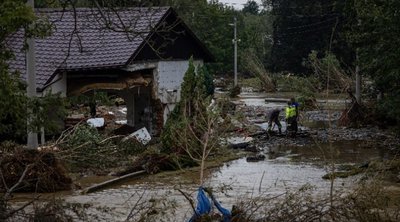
[303, 26]
[375, 38]
[356, 32]
[13, 15]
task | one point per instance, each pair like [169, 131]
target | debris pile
[33, 171]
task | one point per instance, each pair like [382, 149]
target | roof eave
[209, 56]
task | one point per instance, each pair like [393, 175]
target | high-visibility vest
[290, 111]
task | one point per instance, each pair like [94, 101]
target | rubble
[239, 142]
[326, 130]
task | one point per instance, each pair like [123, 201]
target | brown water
[285, 168]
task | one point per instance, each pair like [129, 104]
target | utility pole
[31, 80]
[358, 81]
[235, 40]
[358, 76]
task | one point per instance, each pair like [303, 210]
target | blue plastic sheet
[225, 212]
[204, 206]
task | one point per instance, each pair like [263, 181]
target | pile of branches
[24, 170]
[366, 202]
[353, 115]
[83, 148]
[330, 74]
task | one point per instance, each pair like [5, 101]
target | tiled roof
[91, 44]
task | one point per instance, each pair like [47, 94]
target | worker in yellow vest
[291, 118]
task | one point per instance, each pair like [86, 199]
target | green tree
[14, 104]
[251, 7]
[375, 35]
[304, 26]
[13, 16]
[208, 80]
[255, 34]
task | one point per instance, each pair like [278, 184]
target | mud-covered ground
[315, 126]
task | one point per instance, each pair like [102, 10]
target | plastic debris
[141, 135]
[96, 122]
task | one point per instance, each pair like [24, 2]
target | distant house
[140, 54]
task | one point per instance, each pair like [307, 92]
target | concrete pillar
[42, 136]
[130, 106]
[32, 142]
[130, 113]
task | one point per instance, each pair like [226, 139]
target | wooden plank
[112, 181]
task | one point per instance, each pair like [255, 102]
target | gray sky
[238, 4]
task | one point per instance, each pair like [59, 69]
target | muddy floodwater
[285, 168]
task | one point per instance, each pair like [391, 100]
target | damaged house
[140, 54]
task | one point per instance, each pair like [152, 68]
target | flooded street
[199, 111]
[288, 166]
[284, 169]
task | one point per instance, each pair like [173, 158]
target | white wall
[168, 78]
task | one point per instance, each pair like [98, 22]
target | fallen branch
[21, 178]
[188, 198]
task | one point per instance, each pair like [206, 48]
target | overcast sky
[238, 4]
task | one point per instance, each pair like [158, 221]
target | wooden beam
[104, 184]
[126, 84]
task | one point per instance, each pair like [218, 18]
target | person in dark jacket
[274, 118]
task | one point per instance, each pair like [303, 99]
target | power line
[313, 6]
[312, 24]
[306, 31]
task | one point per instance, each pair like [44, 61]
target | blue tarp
[204, 206]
